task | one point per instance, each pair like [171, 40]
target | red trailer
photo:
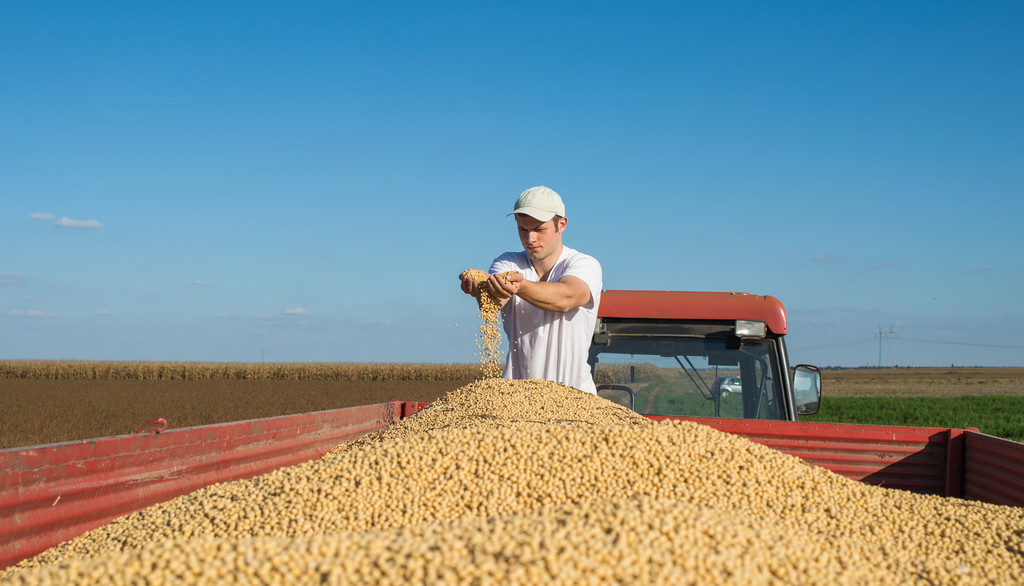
[717, 358]
[52, 493]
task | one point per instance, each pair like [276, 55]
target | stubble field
[55, 402]
[924, 382]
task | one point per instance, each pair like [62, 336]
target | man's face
[540, 239]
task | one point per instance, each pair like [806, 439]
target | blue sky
[220, 181]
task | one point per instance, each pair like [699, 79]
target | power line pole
[892, 339]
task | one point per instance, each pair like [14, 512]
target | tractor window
[690, 377]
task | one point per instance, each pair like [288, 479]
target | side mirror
[806, 389]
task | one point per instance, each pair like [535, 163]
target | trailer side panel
[908, 458]
[52, 493]
[993, 469]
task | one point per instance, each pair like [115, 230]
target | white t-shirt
[547, 344]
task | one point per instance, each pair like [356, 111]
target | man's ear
[562, 222]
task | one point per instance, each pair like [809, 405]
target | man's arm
[560, 296]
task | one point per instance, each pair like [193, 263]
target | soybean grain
[539, 493]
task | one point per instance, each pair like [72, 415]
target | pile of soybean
[529, 482]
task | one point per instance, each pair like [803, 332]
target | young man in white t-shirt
[549, 306]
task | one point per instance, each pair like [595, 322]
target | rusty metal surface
[54, 492]
[412, 408]
[993, 469]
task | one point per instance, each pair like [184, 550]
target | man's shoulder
[574, 263]
[572, 255]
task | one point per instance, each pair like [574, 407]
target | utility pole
[892, 339]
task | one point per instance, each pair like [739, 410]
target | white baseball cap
[539, 202]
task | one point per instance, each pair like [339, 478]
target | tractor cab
[699, 354]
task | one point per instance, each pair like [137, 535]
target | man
[549, 304]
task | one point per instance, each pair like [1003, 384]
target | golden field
[55, 401]
[924, 382]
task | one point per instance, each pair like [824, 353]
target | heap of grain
[527, 482]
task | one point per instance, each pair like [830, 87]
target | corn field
[305, 371]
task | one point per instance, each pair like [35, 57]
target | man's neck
[543, 268]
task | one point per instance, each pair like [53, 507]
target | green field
[917, 398]
[998, 416]
[993, 415]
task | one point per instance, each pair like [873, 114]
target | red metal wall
[52, 493]
[993, 469]
[908, 458]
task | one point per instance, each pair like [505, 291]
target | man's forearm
[559, 296]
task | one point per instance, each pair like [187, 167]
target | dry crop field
[46, 402]
[924, 382]
[55, 401]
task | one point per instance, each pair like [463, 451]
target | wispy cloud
[102, 312]
[887, 265]
[822, 314]
[967, 271]
[66, 222]
[29, 313]
[11, 280]
[824, 258]
[199, 283]
[383, 321]
[296, 311]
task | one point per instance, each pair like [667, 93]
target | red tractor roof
[694, 305]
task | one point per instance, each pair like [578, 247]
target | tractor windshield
[703, 377]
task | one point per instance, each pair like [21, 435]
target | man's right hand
[472, 280]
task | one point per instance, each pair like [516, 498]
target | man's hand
[504, 285]
[501, 287]
[472, 280]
